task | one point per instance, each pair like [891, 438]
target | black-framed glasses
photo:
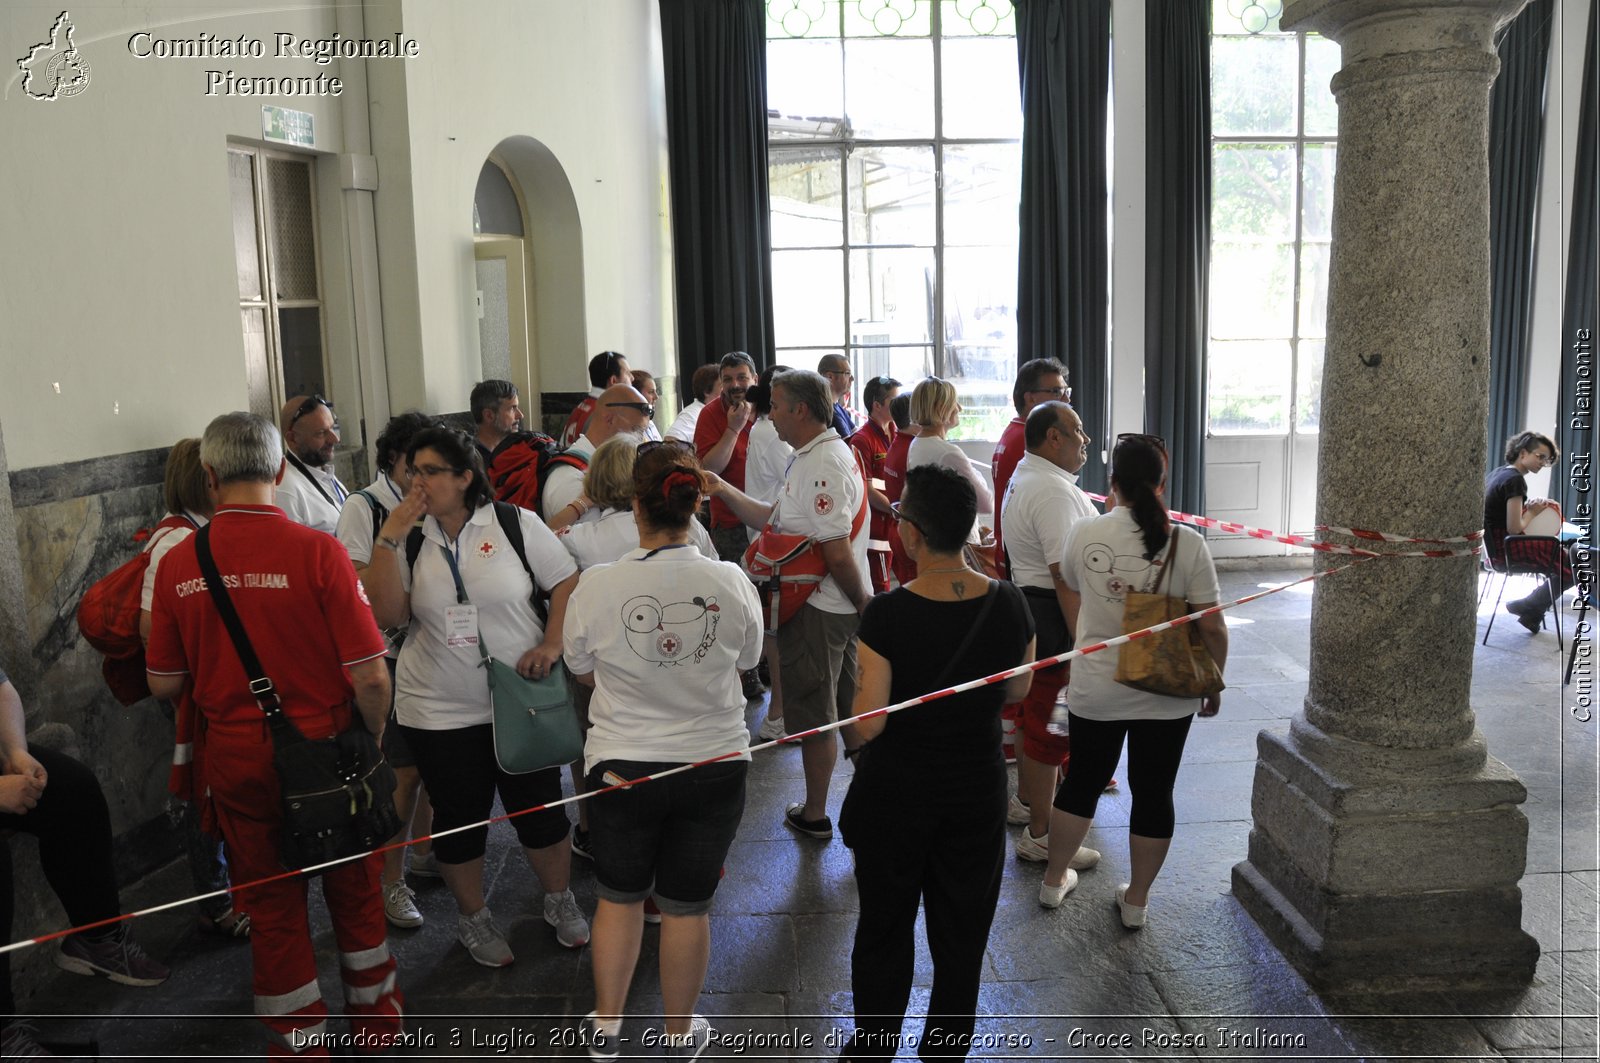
[1064, 394]
[307, 406]
[894, 507]
[645, 408]
[839, 372]
[1547, 459]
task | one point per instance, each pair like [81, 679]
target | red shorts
[1038, 744]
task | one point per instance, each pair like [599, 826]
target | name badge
[461, 625]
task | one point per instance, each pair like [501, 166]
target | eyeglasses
[1547, 458]
[307, 406]
[645, 408]
[431, 471]
[894, 507]
[839, 372]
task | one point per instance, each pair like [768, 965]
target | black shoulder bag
[337, 794]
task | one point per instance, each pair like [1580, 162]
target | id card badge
[461, 625]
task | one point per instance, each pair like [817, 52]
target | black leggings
[73, 826]
[1155, 748]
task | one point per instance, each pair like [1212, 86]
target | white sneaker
[1132, 914]
[424, 864]
[1084, 858]
[483, 939]
[691, 1044]
[1031, 848]
[400, 905]
[562, 912]
[1017, 812]
[771, 730]
[1052, 896]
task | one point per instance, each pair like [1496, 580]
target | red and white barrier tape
[1312, 543]
[989, 680]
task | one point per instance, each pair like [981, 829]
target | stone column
[1388, 844]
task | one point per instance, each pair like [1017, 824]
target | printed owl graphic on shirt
[673, 634]
[1112, 575]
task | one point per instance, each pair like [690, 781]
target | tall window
[280, 294]
[894, 171]
[1273, 124]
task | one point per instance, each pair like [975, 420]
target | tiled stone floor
[1200, 981]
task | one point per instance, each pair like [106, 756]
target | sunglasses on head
[643, 407]
[1155, 441]
[307, 406]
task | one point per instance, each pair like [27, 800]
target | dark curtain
[715, 54]
[1516, 134]
[1064, 60]
[1572, 479]
[1177, 238]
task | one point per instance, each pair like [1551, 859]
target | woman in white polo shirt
[663, 635]
[441, 690]
[936, 409]
[608, 485]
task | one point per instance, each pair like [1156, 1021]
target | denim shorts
[669, 837]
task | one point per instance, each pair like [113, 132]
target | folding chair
[1549, 572]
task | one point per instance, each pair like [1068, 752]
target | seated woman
[662, 634]
[466, 583]
[1127, 548]
[926, 810]
[936, 410]
[1507, 510]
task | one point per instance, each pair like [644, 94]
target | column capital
[1369, 29]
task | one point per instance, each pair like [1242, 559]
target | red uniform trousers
[244, 787]
[1038, 743]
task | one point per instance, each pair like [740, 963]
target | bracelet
[387, 541]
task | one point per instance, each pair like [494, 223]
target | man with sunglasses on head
[871, 442]
[618, 410]
[310, 493]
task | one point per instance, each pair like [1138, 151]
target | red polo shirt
[894, 465]
[872, 445]
[707, 432]
[296, 594]
[1007, 453]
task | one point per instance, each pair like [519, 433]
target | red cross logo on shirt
[669, 644]
[486, 549]
[823, 504]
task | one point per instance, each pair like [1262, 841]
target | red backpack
[518, 468]
[108, 617]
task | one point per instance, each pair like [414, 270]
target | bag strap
[972, 634]
[379, 511]
[312, 480]
[1166, 562]
[511, 524]
[260, 686]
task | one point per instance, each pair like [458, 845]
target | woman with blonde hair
[936, 410]
[608, 483]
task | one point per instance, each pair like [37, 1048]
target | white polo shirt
[355, 518]
[666, 634]
[437, 686]
[683, 425]
[1042, 502]
[821, 494]
[563, 483]
[299, 498]
[612, 533]
[765, 464]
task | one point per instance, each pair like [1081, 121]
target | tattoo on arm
[960, 587]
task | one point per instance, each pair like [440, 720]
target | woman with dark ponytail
[661, 635]
[1129, 548]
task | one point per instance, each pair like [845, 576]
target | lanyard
[450, 557]
[669, 546]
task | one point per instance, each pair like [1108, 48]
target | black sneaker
[751, 682]
[813, 828]
[581, 845]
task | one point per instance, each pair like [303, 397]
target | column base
[1377, 879]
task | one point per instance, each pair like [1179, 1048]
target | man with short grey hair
[310, 493]
[311, 628]
[824, 497]
[496, 413]
[836, 369]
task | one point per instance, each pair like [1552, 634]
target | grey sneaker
[483, 939]
[771, 730]
[400, 905]
[20, 1041]
[424, 864]
[118, 957]
[562, 912]
[1031, 848]
[691, 1044]
[601, 1045]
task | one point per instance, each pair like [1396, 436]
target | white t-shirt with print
[613, 533]
[821, 494]
[438, 686]
[1105, 559]
[666, 634]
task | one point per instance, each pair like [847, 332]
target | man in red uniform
[1041, 380]
[894, 481]
[606, 369]
[309, 622]
[872, 441]
[721, 440]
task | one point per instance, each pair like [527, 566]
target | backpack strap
[378, 511]
[511, 525]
